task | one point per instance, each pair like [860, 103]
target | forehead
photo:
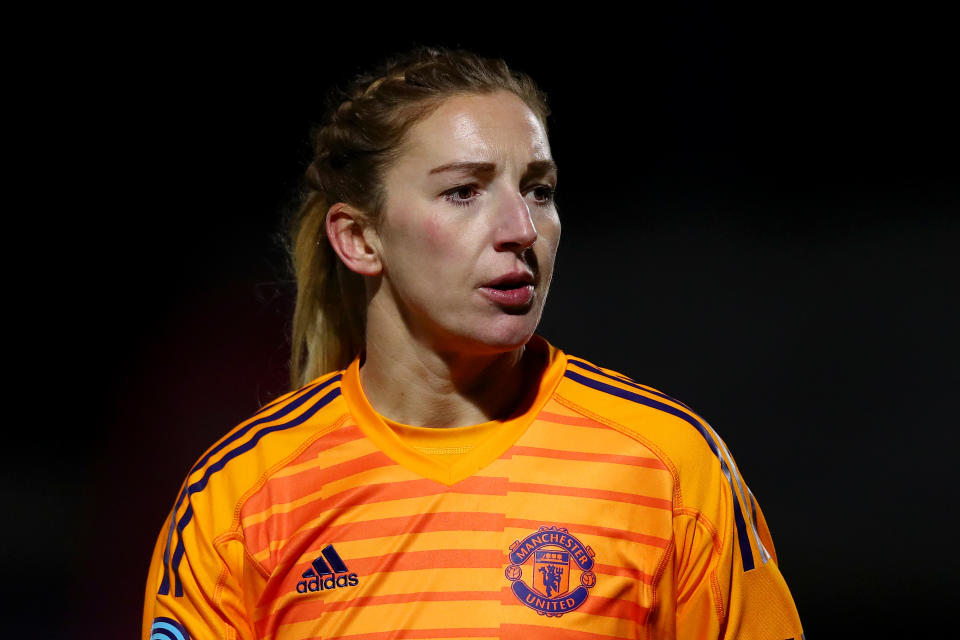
[497, 127]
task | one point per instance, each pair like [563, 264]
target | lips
[513, 289]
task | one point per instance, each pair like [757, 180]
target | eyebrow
[541, 167]
[466, 167]
[535, 167]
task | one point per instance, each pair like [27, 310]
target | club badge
[551, 554]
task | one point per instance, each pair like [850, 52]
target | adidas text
[327, 582]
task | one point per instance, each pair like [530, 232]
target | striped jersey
[601, 509]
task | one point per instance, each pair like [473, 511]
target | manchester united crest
[550, 555]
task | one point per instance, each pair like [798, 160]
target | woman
[441, 471]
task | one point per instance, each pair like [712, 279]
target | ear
[353, 239]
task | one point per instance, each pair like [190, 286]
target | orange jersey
[603, 509]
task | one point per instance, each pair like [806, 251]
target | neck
[414, 384]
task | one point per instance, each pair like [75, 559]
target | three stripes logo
[322, 576]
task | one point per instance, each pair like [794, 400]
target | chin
[505, 334]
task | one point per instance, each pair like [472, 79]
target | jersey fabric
[601, 509]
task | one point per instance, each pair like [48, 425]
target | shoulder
[207, 509]
[668, 427]
[705, 476]
[243, 458]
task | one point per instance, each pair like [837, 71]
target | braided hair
[359, 138]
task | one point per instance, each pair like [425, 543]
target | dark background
[760, 217]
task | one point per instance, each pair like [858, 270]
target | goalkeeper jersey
[601, 509]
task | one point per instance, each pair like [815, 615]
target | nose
[515, 230]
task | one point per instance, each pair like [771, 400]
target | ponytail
[327, 323]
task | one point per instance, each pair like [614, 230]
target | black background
[760, 214]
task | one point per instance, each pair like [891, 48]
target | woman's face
[469, 231]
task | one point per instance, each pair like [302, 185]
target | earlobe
[352, 240]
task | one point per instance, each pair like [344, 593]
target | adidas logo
[321, 576]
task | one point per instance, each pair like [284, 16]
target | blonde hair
[359, 138]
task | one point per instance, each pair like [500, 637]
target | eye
[462, 195]
[542, 194]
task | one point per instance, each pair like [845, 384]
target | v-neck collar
[483, 452]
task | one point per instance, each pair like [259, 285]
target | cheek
[413, 232]
[548, 231]
[441, 238]
[423, 242]
[434, 232]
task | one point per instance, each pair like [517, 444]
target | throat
[438, 393]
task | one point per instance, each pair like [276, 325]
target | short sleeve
[194, 586]
[760, 603]
[728, 582]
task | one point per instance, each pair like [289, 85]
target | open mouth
[513, 290]
[507, 286]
